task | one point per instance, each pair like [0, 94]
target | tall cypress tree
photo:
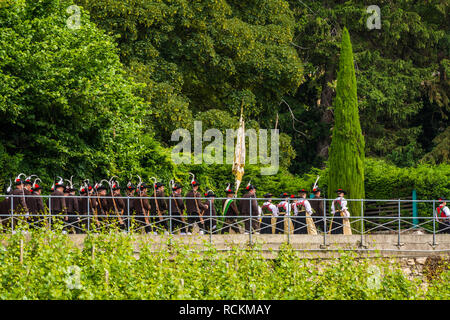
[346, 154]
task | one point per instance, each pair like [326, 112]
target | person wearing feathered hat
[5, 206]
[38, 207]
[303, 223]
[176, 209]
[284, 209]
[18, 200]
[339, 211]
[58, 202]
[210, 215]
[230, 212]
[443, 215]
[30, 201]
[269, 211]
[101, 203]
[249, 209]
[142, 207]
[317, 207]
[130, 190]
[158, 207]
[116, 204]
[195, 208]
[83, 203]
[72, 207]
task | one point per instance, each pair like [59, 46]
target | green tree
[67, 106]
[400, 121]
[346, 160]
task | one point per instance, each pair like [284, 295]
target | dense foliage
[104, 99]
[51, 267]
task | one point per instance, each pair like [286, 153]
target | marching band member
[268, 211]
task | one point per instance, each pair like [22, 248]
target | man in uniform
[38, 207]
[317, 206]
[210, 215]
[116, 205]
[159, 208]
[302, 213]
[58, 202]
[339, 210]
[142, 207]
[195, 208]
[5, 206]
[249, 209]
[269, 211]
[72, 209]
[83, 204]
[19, 203]
[130, 189]
[101, 204]
[230, 212]
[176, 208]
[284, 209]
[30, 201]
[443, 214]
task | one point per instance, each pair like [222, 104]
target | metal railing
[171, 221]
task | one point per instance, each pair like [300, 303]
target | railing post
[434, 223]
[88, 211]
[288, 213]
[324, 222]
[50, 211]
[128, 214]
[398, 241]
[12, 213]
[210, 222]
[414, 206]
[170, 214]
[362, 222]
[250, 220]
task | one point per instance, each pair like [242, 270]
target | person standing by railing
[177, 209]
[83, 206]
[269, 211]
[58, 202]
[249, 209]
[210, 215]
[194, 208]
[443, 214]
[116, 206]
[130, 189]
[38, 205]
[230, 212]
[339, 210]
[29, 200]
[284, 209]
[317, 206]
[5, 206]
[159, 208]
[303, 223]
[142, 207]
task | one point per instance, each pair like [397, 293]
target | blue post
[414, 206]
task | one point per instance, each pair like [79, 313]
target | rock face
[428, 267]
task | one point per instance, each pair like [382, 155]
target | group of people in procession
[147, 208]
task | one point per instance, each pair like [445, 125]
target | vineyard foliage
[51, 267]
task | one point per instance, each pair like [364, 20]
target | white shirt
[446, 210]
[343, 204]
[306, 204]
[286, 206]
[271, 207]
